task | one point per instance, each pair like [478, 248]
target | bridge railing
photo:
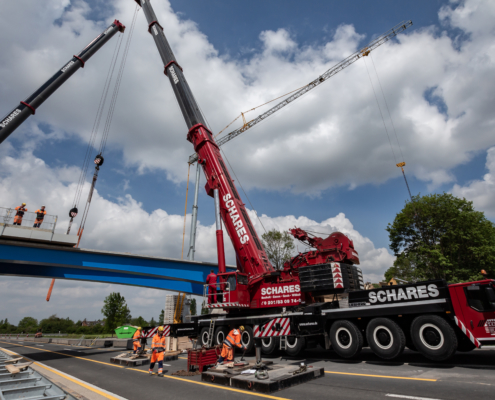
[8, 216]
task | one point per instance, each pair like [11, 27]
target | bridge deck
[49, 261]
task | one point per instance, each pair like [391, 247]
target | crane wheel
[203, 336]
[247, 338]
[269, 345]
[346, 338]
[295, 345]
[385, 338]
[434, 337]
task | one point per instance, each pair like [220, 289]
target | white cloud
[331, 137]
[481, 192]
[125, 226]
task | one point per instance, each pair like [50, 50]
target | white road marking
[401, 396]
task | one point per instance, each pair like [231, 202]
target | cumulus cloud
[481, 192]
[437, 81]
[123, 225]
[438, 87]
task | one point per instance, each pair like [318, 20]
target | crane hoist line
[365, 51]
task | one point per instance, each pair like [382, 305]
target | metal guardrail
[8, 217]
[225, 294]
[27, 384]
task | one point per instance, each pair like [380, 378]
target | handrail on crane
[363, 52]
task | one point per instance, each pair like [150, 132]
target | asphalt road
[468, 375]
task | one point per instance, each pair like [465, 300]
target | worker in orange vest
[232, 340]
[158, 346]
[211, 281]
[20, 210]
[136, 340]
[40, 214]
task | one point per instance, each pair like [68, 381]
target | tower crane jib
[315, 83]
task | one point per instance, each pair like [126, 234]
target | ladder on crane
[211, 330]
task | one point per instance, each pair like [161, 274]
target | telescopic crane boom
[312, 85]
[251, 256]
[27, 107]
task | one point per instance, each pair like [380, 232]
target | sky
[324, 163]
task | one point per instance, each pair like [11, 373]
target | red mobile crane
[428, 316]
[27, 107]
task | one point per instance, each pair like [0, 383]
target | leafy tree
[53, 324]
[405, 268]
[161, 318]
[443, 237]
[28, 325]
[116, 311]
[279, 247]
[139, 321]
[193, 307]
[204, 310]
[6, 327]
[153, 322]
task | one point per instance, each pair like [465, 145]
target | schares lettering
[390, 295]
[236, 219]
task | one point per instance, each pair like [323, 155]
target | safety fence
[27, 219]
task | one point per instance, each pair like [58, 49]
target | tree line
[114, 309]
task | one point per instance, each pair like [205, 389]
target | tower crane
[365, 51]
[313, 84]
[27, 107]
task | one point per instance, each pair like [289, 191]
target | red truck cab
[474, 307]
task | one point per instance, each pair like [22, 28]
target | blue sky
[323, 163]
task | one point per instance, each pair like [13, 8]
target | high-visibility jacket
[158, 342]
[233, 338]
[20, 211]
[211, 278]
[137, 335]
[40, 214]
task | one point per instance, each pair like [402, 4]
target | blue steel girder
[43, 261]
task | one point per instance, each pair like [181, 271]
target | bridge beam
[45, 261]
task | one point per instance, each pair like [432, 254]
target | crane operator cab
[232, 293]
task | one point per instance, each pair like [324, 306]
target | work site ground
[90, 375]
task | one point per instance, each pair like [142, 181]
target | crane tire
[269, 345]
[434, 337]
[219, 335]
[385, 338]
[247, 338]
[346, 338]
[203, 336]
[295, 345]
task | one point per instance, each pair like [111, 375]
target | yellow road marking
[381, 376]
[80, 383]
[165, 376]
[215, 386]
[67, 355]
